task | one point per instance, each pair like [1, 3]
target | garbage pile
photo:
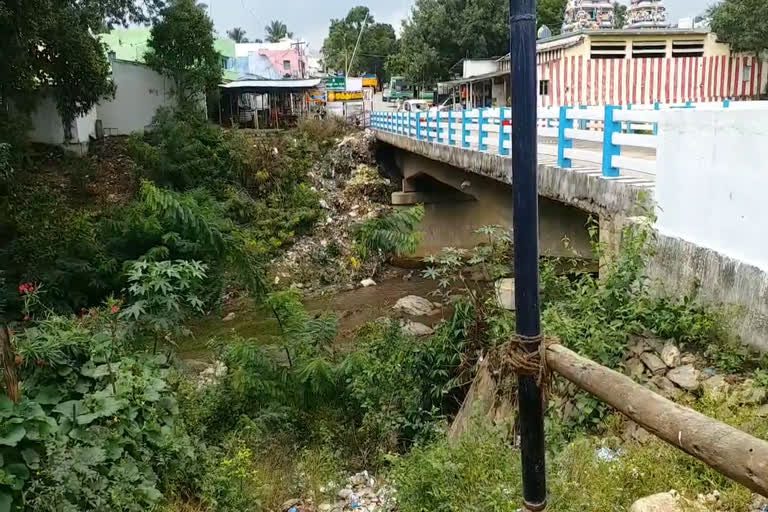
[351, 190]
[362, 493]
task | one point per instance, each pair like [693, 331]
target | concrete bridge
[697, 168]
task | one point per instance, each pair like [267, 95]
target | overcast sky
[309, 19]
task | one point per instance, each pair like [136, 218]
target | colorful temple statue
[647, 14]
[588, 15]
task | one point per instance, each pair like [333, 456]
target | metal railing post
[609, 148]
[563, 142]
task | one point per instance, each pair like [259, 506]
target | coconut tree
[237, 34]
[276, 30]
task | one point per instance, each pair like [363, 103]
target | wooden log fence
[734, 453]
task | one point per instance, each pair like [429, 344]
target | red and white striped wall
[578, 80]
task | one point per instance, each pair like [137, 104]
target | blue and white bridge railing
[614, 138]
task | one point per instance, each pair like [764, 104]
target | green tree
[742, 23]
[377, 43]
[48, 45]
[551, 13]
[237, 34]
[181, 46]
[440, 32]
[619, 15]
[277, 30]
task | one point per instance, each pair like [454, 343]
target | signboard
[336, 83]
[354, 84]
[316, 96]
[344, 96]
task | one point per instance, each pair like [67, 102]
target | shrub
[478, 473]
[100, 425]
[391, 234]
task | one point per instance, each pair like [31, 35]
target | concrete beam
[589, 193]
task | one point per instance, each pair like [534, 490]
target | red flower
[115, 309]
[39, 362]
[26, 318]
[26, 288]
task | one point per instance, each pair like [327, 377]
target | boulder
[414, 305]
[667, 502]
[367, 282]
[634, 367]
[505, 294]
[634, 432]
[687, 358]
[750, 394]
[417, 329]
[638, 345]
[654, 363]
[687, 377]
[230, 316]
[716, 386]
[664, 387]
[662, 502]
[670, 354]
[762, 411]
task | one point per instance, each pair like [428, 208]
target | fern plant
[393, 234]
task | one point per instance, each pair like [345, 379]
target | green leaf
[19, 470]
[31, 457]
[5, 501]
[93, 371]
[6, 406]
[13, 435]
[70, 408]
[86, 419]
[49, 395]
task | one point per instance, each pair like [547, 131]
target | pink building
[286, 56]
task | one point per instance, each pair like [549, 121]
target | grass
[483, 472]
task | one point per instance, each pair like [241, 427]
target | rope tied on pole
[527, 355]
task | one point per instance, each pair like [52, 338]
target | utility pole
[522, 79]
[360, 35]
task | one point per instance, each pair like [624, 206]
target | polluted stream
[355, 308]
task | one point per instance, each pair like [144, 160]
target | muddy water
[354, 307]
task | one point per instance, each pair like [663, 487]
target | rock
[687, 358]
[749, 394]
[368, 282]
[667, 502]
[665, 387]
[324, 204]
[325, 507]
[634, 367]
[662, 502]
[709, 372]
[654, 363]
[344, 493]
[417, 329]
[289, 503]
[687, 377]
[230, 316]
[414, 305]
[634, 432]
[638, 345]
[715, 386]
[670, 354]
[505, 294]
[762, 411]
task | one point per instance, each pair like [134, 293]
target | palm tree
[237, 34]
[276, 30]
